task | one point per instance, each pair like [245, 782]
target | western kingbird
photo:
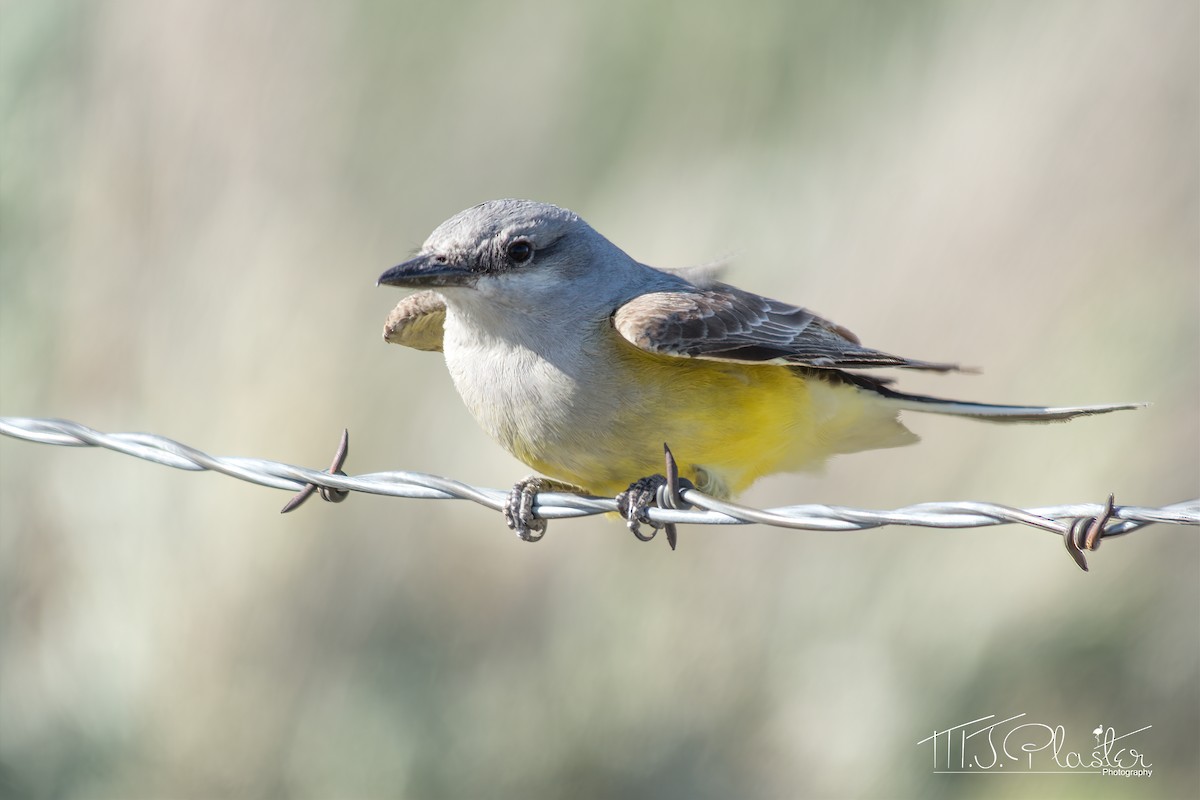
[582, 362]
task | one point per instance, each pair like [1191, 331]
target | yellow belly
[727, 425]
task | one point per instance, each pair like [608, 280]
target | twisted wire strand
[557, 505]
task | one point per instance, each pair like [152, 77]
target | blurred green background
[195, 201]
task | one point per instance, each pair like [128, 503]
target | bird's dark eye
[520, 251]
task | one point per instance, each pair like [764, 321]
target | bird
[582, 362]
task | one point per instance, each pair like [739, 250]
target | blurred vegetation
[195, 201]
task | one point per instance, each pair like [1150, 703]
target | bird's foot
[655, 490]
[634, 502]
[518, 506]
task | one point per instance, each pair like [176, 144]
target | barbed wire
[1082, 525]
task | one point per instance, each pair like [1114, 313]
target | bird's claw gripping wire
[1086, 533]
[656, 490]
[518, 508]
[335, 468]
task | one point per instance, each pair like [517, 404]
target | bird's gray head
[505, 249]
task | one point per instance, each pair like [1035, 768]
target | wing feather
[725, 323]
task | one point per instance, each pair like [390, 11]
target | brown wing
[728, 324]
[417, 322]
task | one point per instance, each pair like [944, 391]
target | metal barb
[669, 495]
[1086, 533]
[655, 490]
[1095, 531]
[328, 494]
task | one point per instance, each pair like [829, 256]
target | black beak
[427, 270]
